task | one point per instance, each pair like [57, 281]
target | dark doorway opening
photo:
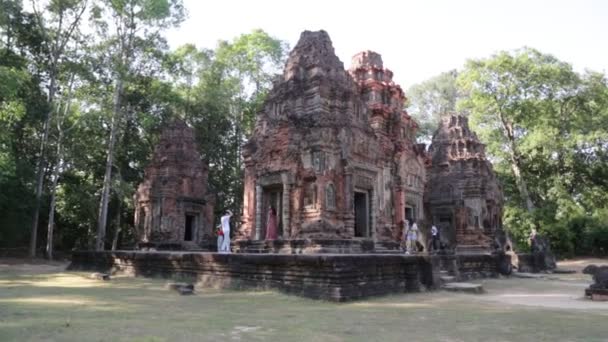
[189, 228]
[409, 214]
[361, 214]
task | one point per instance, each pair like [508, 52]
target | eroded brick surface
[333, 151]
[464, 197]
[173, 197]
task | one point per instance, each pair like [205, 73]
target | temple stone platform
[316, 246]
[334, 277]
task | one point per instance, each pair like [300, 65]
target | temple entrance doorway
[362, 210]
[189, 228]
[410, 214]
[447, 233]
[272, 197]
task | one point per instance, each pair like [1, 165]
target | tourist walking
[271, 224]
[226, 231]
[532, 239]
[434, 238]
[220, 237]
[406, 228]
[412, 238]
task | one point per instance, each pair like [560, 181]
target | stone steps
[269, 247]
[471, 249]
[527, 275]
[379, 249]
[447, 279]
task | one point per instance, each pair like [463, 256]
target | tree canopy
[86, 106]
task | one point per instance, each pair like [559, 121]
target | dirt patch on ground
[579, 263]
[557, 291]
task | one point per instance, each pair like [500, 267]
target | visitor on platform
[226, 232]
[220, 237]
[434, 238]
[412, 238]
[532, 240]
[271, 224]
[406, 228]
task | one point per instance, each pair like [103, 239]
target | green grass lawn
[54, 305]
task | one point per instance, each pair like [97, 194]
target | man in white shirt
[226, 230]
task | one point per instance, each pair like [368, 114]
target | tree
[431, 100]
[22, 105]
[129, 30]
[219, 93]
[505, 92]
[245, 68]
[546, 129]
[57, 23]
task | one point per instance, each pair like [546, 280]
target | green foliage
[545, 127]
[21, 104]
[518, 223]
[546, 130]
[432, 99]
[219, 92]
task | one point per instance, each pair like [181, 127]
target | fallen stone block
[182, 288]
[528, 275]
[599, 295]
[99, 276]
[563, 271]
[447, 278]
[464, 287]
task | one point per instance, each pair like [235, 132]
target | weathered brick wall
[335, 277]
[472, 266]
[314, 246]
[330, 277]
[534, 262]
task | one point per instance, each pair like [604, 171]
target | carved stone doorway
[410, 214]
[190, 227]
[272, 197]
[445, 225]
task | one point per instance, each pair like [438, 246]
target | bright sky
[417, 39]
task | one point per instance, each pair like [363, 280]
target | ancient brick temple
[464, 198]
[172, 204]
[333, 151]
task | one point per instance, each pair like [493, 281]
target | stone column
[286, 206]
[349, 210]
[258, 212]
[373, 210]
[398, 207]
[348, 189]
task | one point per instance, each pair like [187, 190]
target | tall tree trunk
[56, 50]
[118, 212]
[40, 167]
[118, 228]
[107, 179]
[515, 158]
[57, 169]
[522, 186]
[49, 239]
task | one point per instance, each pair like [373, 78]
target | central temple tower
[332, 151]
